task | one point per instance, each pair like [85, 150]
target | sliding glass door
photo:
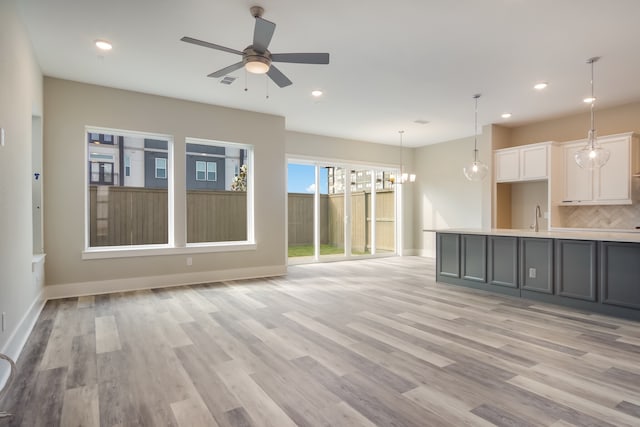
[339, 211]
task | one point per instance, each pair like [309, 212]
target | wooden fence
[139, 216]
[332, 220]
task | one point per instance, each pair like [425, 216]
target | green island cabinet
[593, 275]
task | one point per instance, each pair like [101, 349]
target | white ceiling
[392, 62]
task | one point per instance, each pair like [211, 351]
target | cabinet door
[578, 182]
[576, 269]
[474, 257]
[533, 163]
[503, 261]
[619, 273]
[448, 254]
[536, 264]
[507, 165]
[613, 180]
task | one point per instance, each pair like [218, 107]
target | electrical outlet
[189, 261]
[532, 273]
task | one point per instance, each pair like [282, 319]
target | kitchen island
[595, 271]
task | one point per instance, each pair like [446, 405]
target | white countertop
[630, 236]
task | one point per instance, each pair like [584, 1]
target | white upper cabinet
[578, 183]
[610, 184]
[525, 163]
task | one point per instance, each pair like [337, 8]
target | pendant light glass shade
[592, 155]
[475, 170]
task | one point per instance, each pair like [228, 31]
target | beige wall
[443, 198]
[70, 106]
[20, 98]
[325, 147]
[624, 118]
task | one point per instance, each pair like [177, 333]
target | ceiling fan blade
[278, 78]
[262, 34]
[301, 58]
[210, 45]
[226, 70]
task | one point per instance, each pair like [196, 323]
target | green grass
[307, 250]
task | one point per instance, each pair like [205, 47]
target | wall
[620, 119]
[524, 197]
[69, 106]
[443, 197]
[20, 99]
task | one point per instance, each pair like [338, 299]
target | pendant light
[476, 170]
[404, 176]
[592, 155]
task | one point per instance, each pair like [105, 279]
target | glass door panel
[332, 211]
[385, 213]
[301, 183]
[360, 211]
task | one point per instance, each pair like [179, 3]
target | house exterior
[129, 161]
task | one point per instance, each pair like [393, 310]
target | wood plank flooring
[364, 343]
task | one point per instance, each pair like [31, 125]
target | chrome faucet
[535, 226]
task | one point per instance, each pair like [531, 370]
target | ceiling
[392, 63]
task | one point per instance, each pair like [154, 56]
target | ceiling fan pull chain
[245, 81]
[266, 82]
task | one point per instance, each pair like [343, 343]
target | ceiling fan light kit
[257, 58]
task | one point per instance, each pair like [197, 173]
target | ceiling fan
[256, 58]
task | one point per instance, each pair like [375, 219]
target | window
[206, 171]
[212, 171]
[130, 196]
[218, 200]
[127, 189]
[201, 171]
[161, 168]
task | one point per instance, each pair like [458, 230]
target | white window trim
[171, 248]
[250, 191]
[214, 171]
[158, 250]
[170, 193]
[203, 171]
[165, 168]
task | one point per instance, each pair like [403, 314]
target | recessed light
[541, 85]
[589, 99]
[506, 115]
[316, 93]
[103, 45]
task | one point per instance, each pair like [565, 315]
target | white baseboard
[152, 282]
[18, 338]
[426, 253]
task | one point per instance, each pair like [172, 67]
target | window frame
[156, 168]
[215, 171]
[249, 243]
[203, 170]
[176, 244]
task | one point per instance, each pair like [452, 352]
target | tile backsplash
[603, 216]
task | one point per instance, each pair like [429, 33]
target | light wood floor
[362, 343]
